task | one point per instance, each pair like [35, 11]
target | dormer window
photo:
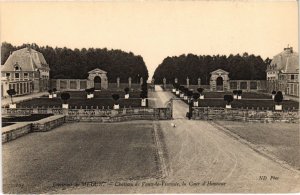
[17, 67]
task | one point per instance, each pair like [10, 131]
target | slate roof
[286, 61]
[28, 59]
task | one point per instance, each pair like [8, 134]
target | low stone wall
[15, 131]
[98, 115]
[48, 123]
[169, 87]
[82, 84]
[246, 115]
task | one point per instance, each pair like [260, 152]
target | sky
[155, 29]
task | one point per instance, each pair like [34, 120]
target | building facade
[283, 73]
[26, 71]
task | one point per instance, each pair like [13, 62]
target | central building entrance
[219, 84]
[219, 80]
[97, 83]
[97, 79]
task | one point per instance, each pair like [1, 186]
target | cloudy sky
[155, 30]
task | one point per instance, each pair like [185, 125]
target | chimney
[28, 47]
[289, 49]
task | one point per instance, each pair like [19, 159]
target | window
[292, 77]
[16, 68]
[26, 75]
[17, 75]
[7, 74]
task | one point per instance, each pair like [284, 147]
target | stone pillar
[118, 82]
[187, 82]
[165, 82]
[225, 85]
[238, 86]
[212, 85]
[129, 82]
[141, 80]
[78, 84]
[248, 85]
[176, 80]
[68, 84]
[57, 84]
[36, 85]
[199, 82]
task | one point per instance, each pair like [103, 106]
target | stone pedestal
[141, 80]
[118, 82]
[199, 82]
[165, 82]
[187, 82]
[129, 82]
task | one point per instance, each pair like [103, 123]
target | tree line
[66, 63]
[240, 67]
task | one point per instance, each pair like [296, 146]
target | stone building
[283, 72]
[219, 81]
[97, 78]
[26, 71]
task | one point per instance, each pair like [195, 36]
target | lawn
[32, 117]
[246, 95]
[249, 99]
[101, 94]
[5, 124]
[78, 99]
[7, 121]
[281, 139]
[80, 152]
[243, 103]
[100, 102]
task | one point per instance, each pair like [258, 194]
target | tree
[54, 90]
[228, 99]
[66, 63]
[273, 92]
[189, 93]
[176, 86]
[196, 96]
[126, 90]
[239, 92]
[50, 91]
[200, 90]
[11, 93]
[143, 95]
[115, 97]
[240, 67]
[278, 97]
[181, 88]
[65, 96]
[92, 90]
[144, 87]
[88, 91]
